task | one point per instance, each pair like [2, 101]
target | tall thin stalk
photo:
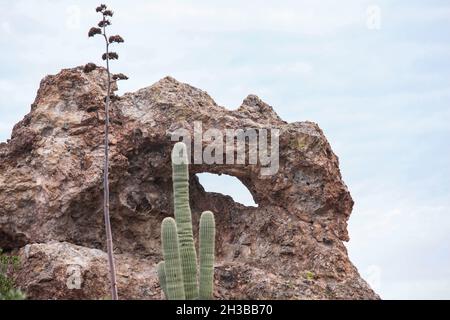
[109, 241]
[103, 24]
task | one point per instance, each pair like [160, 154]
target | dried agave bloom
[89, 67]
[110, 55]
[119, 76]
[108, 13]
[104, 23]
[113, 56]
[94, 31]
[100, 8]
[116, 38]
[112, 98]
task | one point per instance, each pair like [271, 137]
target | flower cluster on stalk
[101, 30]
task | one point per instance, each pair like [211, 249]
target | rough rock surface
[289, 247]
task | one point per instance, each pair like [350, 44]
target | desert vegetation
[101, 30]
[179, 276]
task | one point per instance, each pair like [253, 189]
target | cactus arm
[207, 239]
[172, 262]
[180, 176]
[162, 277]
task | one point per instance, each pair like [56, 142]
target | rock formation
[289, 247]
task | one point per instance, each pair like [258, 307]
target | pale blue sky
[380, 95]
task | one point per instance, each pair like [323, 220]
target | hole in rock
[227, 185]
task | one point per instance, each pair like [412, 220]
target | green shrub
[8, 264]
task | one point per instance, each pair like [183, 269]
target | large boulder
[290, 246]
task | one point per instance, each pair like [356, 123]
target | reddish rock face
[289, 247]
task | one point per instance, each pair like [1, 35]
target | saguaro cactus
[178, 273]
[207, 238]
[183, 217]
[172, 264]
[160, 269]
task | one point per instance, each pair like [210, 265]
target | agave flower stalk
[107, 56]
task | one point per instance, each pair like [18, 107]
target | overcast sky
[375, 75]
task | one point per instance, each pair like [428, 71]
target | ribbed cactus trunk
[178, 273]
[207, 238]
[172, 264]
[160, 269]
[183, 217]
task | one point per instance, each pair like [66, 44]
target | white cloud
[305, 17]
[6, 27]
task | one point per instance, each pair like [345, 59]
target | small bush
[8, 264]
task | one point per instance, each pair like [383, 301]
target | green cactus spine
[172, 265]
[207, 238]
[178, 273]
